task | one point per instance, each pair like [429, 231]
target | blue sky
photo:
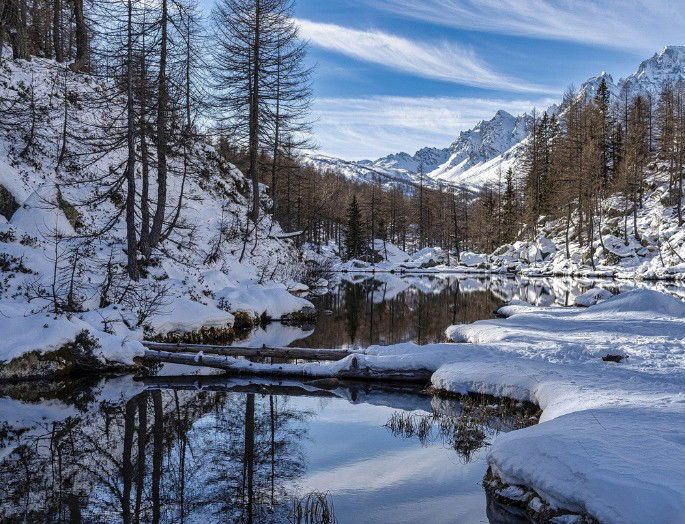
[397, 75]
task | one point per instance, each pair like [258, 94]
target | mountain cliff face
[488, 140]
[666, 67]
[481, 154]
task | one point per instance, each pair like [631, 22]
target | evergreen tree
[355, 234]
[602, 130]
[509, 208]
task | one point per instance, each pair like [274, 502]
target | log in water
[242, 367]
[261, 352]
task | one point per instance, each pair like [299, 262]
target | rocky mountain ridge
[479, 155]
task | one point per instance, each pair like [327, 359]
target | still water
[226, 450]
[217, 449]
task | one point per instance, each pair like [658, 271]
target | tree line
[586, 162]
[247, 91]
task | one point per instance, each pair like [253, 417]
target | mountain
[478, 146]
[481, 154]
[653, 74]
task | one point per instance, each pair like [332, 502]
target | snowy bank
[611, 442]
[611, 438]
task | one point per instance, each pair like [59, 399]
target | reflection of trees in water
[162, 456]
[464, 424]
[368, 312]
[252, 450]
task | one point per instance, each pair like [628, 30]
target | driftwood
[262, 352]
[243, 367]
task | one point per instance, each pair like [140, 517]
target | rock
[8, 204]
[592, 297]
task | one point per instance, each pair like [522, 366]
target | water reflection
[362, 309]
[224, 450]
[210, 449]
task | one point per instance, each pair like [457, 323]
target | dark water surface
[216, 449]
[361, 309]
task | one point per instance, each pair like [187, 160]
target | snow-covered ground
[199, 278]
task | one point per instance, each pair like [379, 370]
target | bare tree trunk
[16, 14]
[254, 117]
[63, 148]
[3, 14]
[140, 459]
[57, 30]
[81, 63]
[248, 456]
[132, 247]
[127, 467]
[162, 102]
[277, 129]
[680, 197]
[157, 451]
[144, 193]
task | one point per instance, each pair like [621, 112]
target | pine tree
[602, 130]
[355, 235]
[509, 208]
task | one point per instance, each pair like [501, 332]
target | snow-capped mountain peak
[588, 90]
[481, 154]
[665, 67]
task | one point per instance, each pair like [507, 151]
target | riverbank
[610, 380]
[611, 442]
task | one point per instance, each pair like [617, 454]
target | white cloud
[630, 24]
[358, 128]
[440, 61]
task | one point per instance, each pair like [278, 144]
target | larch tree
[260, 82]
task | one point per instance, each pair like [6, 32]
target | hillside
[658, 255]
[63, 237]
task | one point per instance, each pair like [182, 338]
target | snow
[43, 333]
[273, 301]
[611, 438]
[184, 292]
[185, 315]
[616, 253]
[484, 154]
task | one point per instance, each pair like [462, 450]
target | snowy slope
[479, 155]
[193, 276]
[390, 173]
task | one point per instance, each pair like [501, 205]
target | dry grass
[466, 427]
[314, 508]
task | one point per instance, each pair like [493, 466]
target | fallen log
[262, 352]
[244, 367]
[218, 383]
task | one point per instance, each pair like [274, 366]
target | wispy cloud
[440, 61]
[629, 24]
[371, 127]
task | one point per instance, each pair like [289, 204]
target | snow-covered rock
[274, 302]
[592, 297]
